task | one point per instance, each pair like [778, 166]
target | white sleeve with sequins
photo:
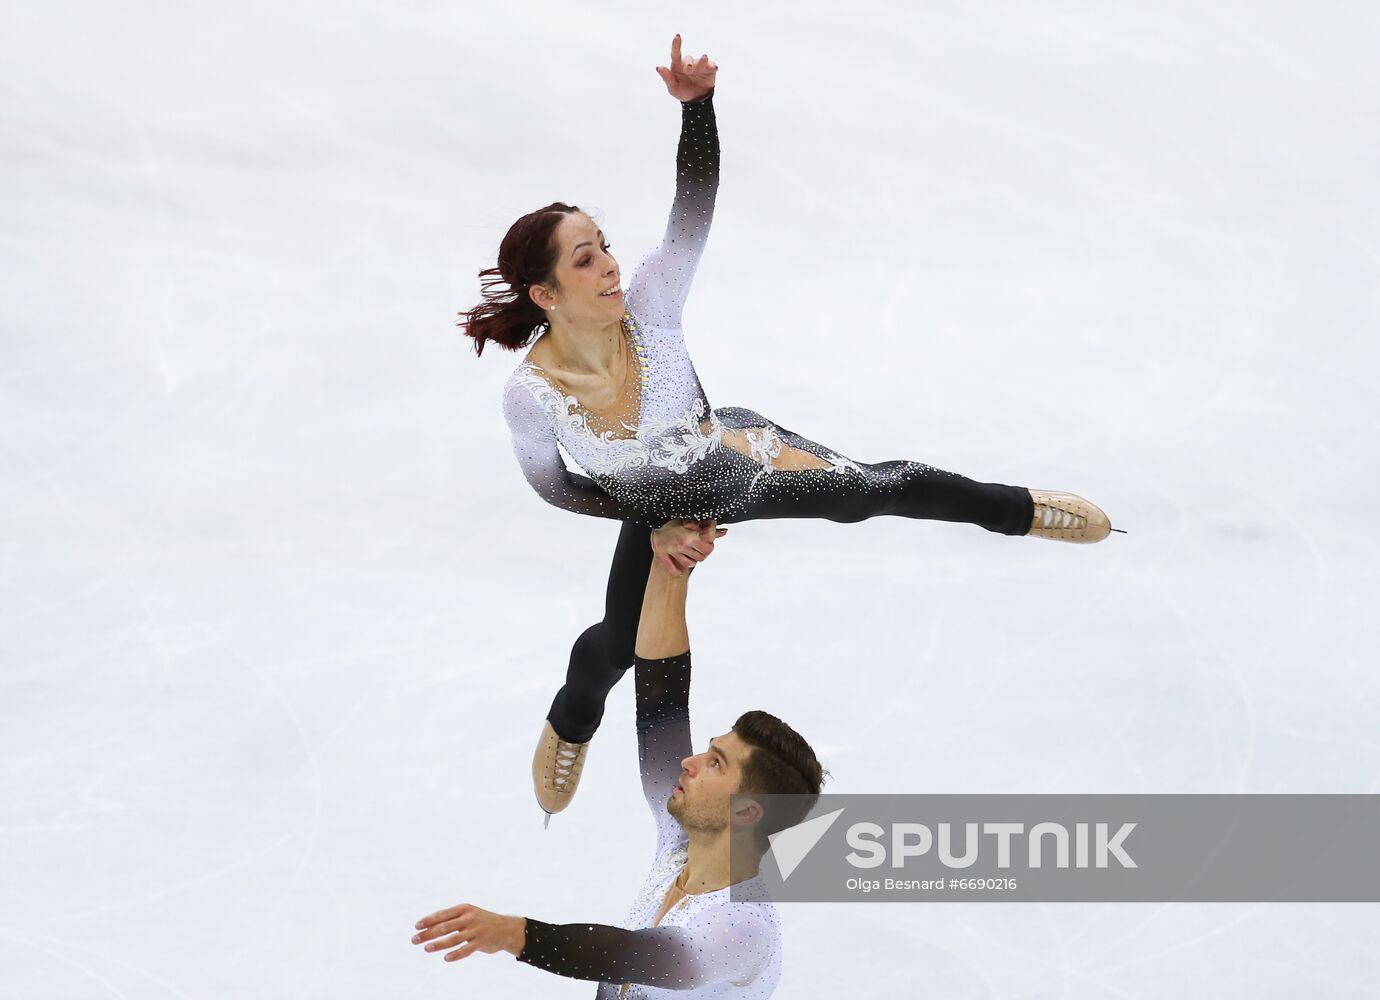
[728, 943]
[661, 281]
[534, 445]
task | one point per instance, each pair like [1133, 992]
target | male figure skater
[683, 933]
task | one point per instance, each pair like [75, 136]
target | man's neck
[708, 865]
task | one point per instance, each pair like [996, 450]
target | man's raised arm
[662, 631]
[662, 680]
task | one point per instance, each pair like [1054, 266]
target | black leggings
[604, 651]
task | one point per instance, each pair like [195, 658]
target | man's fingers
[464, 950]
[431, 919]
[449, 941]
[441, 929]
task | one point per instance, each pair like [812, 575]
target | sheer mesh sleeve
[661, 281]
[534, 444]
[730, 943]
[663, 735]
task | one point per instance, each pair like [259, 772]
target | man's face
[700, 802]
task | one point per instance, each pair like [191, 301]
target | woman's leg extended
[856, 491]
[802, 478]
[604, 651]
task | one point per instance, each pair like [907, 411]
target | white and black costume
[664, 453]
[706, 945]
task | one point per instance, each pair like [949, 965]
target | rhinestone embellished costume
[672, 455]
[706, 945]
[664, 453]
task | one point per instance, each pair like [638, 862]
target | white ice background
[280, 620]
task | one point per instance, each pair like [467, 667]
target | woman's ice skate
[556, 768]
[1067, 517]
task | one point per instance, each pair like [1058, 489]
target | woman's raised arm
[661, 281]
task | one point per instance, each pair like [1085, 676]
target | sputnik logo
[789, 846]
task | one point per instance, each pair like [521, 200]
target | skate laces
[566, 767]
[1058, 519]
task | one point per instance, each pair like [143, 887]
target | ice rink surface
[280, 620]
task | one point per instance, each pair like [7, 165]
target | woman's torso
[658, 445]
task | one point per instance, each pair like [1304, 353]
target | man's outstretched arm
[725, 945]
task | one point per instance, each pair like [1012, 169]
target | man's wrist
[517, 935]
[663, 576]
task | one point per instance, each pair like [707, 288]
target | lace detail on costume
[615, 454]
[673, 443]
[765, 446]
[840, 464]
[678, 442]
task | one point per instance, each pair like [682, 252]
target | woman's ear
[542, 297]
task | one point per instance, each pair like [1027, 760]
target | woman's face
[585, 270]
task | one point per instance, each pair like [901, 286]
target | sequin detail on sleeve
[729, 945]
[663, 736]
[661, 281]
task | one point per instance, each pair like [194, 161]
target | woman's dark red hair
[526, 257]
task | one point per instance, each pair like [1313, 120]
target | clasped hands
[678, 545]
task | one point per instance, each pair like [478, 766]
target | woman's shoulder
[523, 374]
[529, 397]
[535, 402]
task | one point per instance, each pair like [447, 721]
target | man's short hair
[781, 763]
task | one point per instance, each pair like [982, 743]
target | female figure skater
[608, 378]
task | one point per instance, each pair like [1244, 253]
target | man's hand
[678, 545]
[468, 929]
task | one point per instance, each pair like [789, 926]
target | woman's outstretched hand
[687, 79]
